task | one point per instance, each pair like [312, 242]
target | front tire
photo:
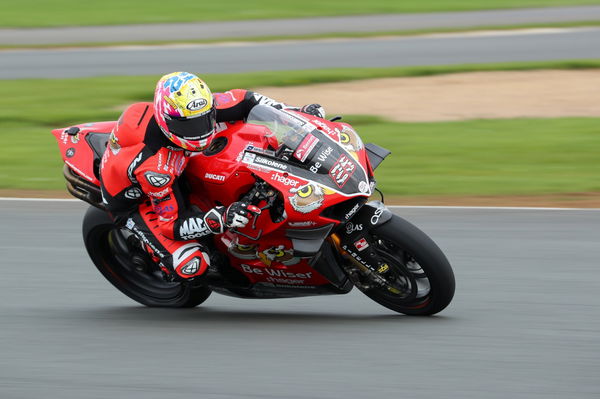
[106, 246]
[418, 268]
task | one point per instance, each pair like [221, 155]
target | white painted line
[516, 208]
[284, 41]
[40, 199]
[509, 32]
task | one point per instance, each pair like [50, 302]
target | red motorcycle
[316, 234]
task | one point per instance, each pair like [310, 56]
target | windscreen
[305, 151]
[288, 129]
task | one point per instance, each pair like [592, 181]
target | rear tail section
[81, 148]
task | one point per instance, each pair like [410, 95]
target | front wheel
[107, 246]
[420, 280]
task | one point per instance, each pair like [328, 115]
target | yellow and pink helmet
[184, 110]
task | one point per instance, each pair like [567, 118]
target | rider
[147, 152]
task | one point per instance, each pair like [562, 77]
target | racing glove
[236, 215]
[314, 110]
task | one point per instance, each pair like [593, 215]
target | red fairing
[75, 150]
[222, 174]
[223, 178]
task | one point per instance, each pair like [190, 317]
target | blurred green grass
[43, 13]
[522, 156]
[479, 157]
[487, 157]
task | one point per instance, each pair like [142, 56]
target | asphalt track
[524, 323]
[536, 45]
[290, 27]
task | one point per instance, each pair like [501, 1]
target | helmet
[184, 110]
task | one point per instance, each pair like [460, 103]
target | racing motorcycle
[317, 232]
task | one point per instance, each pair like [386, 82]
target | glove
[236, 215]
[314, 110]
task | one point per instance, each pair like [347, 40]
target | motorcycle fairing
[76, 150]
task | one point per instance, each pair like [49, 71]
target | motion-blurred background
[481, 102]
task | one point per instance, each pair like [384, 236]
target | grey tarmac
[524, 322]
[536, 45]
[290, 27]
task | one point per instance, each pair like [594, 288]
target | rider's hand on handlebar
[314, 109]
[236, 215]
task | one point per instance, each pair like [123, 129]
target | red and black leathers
[139, 175]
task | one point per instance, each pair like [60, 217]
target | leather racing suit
[139, 175]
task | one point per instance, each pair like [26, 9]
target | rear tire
[422, 270]
[104, 243]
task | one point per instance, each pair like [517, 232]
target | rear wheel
[419, 279]
[135, 275]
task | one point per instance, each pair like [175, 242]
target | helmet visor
[192, 128]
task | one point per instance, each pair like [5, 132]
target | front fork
[356, 243]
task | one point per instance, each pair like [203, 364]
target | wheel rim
[118, 266]
[409, 285]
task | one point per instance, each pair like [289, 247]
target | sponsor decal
[350, 140]
[214, 220]
[243, 251]
[159, 193]
[130, 223]
[193, 228]
[322, 157]
[197, 104]
[307, 223]
[267, 271]
[269, 162]
[351, 227]
[305, 147]
[363, 187]
[132, 167]
[330, 132]
[342, 170]
[383, 268]
[361, 244]
[284, 180]
[64, 137]
[213, 224]
[212, 176]
[315, 167]
[163, 210]
[372, 186]
[113, 144]
[191, 267]
[131, 226]
[157, 201]
[223, 98]
[307, 198]
[157, 179]
[356, 256]
[376, 216]
[249, 157]
[133, 193]
[70, 152]
[75, 138]
[351, 212]
[278, 254]
[251, 147]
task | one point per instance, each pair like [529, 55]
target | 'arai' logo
[196, 105]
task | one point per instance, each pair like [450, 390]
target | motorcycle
[317, 233]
